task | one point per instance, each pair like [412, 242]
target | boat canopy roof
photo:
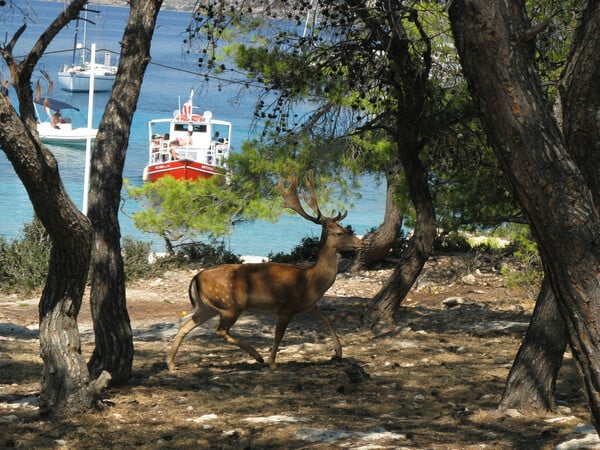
[54, 104]
[189, 122]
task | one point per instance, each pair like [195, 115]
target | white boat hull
[78, 80]
[65, 135]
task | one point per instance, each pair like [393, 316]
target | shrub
[206, 254]
[140, 261]
[451, 242]
[306, 251]
[529, 272]
[24, 262]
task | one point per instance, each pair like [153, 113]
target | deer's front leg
[318, 314]
[223, 330]
[282, 323]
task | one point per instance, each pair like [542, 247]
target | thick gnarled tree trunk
[380, 313]
[409, 82]
[114, 342]
[497, 52]
[579, 97]
[532, 379]
[377, 244]
[65, 380]
[65, 384]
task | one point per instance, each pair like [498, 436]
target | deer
[286, 290]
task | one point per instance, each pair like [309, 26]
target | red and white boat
[188, 145]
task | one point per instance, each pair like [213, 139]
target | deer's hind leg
[318, 314]
[227, 321]
[282, 323]
[201, 315]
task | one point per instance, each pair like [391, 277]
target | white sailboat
[75, 77]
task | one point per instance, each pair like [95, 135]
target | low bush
[206, 254]
[306, 251]
[529, 271]
[24, 262]
[451, 242]
[141, 262]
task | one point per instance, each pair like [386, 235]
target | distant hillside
[174, 5]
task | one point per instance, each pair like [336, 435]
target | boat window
[180, 127]
[198, 128]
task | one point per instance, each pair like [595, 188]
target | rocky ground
[434, 382]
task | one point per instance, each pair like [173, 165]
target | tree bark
[531, 381]
[65, 376]
[65, 380]
[579, 97]
[499, 63]
[377, 244]
[113, 351]
[408, 78]
[380, 313]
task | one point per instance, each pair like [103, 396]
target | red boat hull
[180, 170]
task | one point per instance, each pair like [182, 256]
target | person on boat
[158, 140]
[189, 140]
[186, 141]
[56, 119]
[180, 142]
[217, 137]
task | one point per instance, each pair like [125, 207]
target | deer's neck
[324, 270]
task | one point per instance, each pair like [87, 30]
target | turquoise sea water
[170, 77]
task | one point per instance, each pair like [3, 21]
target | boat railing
[160, 150]
[221, 152]
[186, 152]
[204, 156]
[163, 150]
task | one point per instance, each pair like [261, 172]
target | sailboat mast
[75, 41]
[83, 49]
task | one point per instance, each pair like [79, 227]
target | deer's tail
[194, 291]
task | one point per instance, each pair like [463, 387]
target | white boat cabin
[200, 139]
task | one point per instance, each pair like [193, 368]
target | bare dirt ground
[434, 382]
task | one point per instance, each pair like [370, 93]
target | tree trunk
[114, 342]
[65, 388]
[580, 93]
[532, 379]
[65, 376]
[380, 313]
[580, 97]
[409, 81]
[498, 57]
[65, 382]
[377, 244]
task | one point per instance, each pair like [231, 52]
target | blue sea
[169, 79]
